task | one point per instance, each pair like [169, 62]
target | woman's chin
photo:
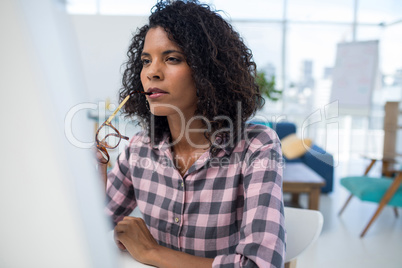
[165, 110]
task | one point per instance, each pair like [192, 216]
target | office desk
[297, 179]
[126, 261]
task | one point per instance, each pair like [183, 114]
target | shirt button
[176, 220]
[182, 184]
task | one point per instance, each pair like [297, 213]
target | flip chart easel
[355, 76]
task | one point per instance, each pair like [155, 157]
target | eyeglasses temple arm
[118, 109]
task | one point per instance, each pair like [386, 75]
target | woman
[208, 184]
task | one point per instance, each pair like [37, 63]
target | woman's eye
[145, 61]
[174, 60]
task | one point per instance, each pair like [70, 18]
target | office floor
[340, 245]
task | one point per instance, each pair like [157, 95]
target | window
[300, 50]
[110, 7]
[320, 11]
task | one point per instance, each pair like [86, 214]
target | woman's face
[166, 73]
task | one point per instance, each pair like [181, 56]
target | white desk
[126, 261]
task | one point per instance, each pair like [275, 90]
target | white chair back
[303, 227]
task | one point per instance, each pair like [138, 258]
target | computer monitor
[51, 197]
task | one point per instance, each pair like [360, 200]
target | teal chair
[381, 190]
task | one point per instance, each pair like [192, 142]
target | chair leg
[384, 201]
[369, 166]
[291, 264]
[377, 212]
[350, 197]
[346, 203]
[396, 212]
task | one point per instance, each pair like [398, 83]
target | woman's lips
[156, 93]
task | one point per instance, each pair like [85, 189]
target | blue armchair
[316, 158]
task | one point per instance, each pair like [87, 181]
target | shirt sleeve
[119, 189]
[262, 233]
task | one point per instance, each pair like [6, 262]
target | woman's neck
[189, 142]
[188, 135]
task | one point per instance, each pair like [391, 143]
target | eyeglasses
[107, 136]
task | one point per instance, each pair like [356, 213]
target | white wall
[103, 43]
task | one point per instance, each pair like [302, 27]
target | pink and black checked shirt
[229, 207]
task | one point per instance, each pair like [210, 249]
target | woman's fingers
[135, 237]
[102, 155]
[118, 243]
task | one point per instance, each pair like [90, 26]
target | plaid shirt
[229, 207]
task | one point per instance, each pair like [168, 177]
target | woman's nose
[154, 71]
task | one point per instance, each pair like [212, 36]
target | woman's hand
[102, 167]
[133, 235]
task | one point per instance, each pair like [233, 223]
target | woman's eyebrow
[163, 53]
[172, 51]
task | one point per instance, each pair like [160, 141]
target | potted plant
[267, 88]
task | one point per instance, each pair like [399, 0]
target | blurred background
[294, 41]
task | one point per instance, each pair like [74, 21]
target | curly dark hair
[222, 67]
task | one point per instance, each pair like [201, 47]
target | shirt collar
[224, 146]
